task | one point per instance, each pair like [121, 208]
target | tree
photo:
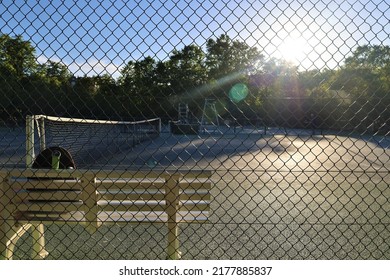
[368, 70]
[17, 63]
[226, 57]
[138, 77]
[187, 73]
[375, 57]
[139, 82]
[371, 63]
[187, 67]
[54, 73]
[17, 57]
[230, 62]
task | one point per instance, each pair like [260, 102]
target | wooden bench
[29, 198]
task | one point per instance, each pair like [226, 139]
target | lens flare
[238, 92]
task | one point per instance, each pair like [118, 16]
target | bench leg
[9, 231]
[38, 235]
[10, 237]
[4, 229]
[14, 238]
[172, 200]
[11, 234]
[173, 241]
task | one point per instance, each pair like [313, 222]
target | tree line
[355, 95]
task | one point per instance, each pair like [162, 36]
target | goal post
[30, 153]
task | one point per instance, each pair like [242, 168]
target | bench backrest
[95, 197]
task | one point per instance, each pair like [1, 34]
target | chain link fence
[285, 103]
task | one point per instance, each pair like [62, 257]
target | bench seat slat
[71, 184]
[194, 205]
[155, 216]
[49, 195]
[130, 183]
[195, 183]
[138, 194]
[73, 173]
[129, 205]
[49, 206]
[151, 205]
[71, 216]
[195, 194]
[151, 194]
[196, 174]
[117, 217]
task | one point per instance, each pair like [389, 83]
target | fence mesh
[273, 124]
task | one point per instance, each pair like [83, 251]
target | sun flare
[293, 50]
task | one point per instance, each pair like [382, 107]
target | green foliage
[226, 56]
[356, 94]
[17, 57]
[53, 73]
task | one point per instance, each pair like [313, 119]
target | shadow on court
[258, 152]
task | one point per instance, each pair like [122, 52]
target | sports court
[286, 194]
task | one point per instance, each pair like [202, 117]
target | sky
[99, 37]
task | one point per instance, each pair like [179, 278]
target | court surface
[287, 194]
[278, 150]
[283, 195]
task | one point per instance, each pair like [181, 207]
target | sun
[293, 50]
